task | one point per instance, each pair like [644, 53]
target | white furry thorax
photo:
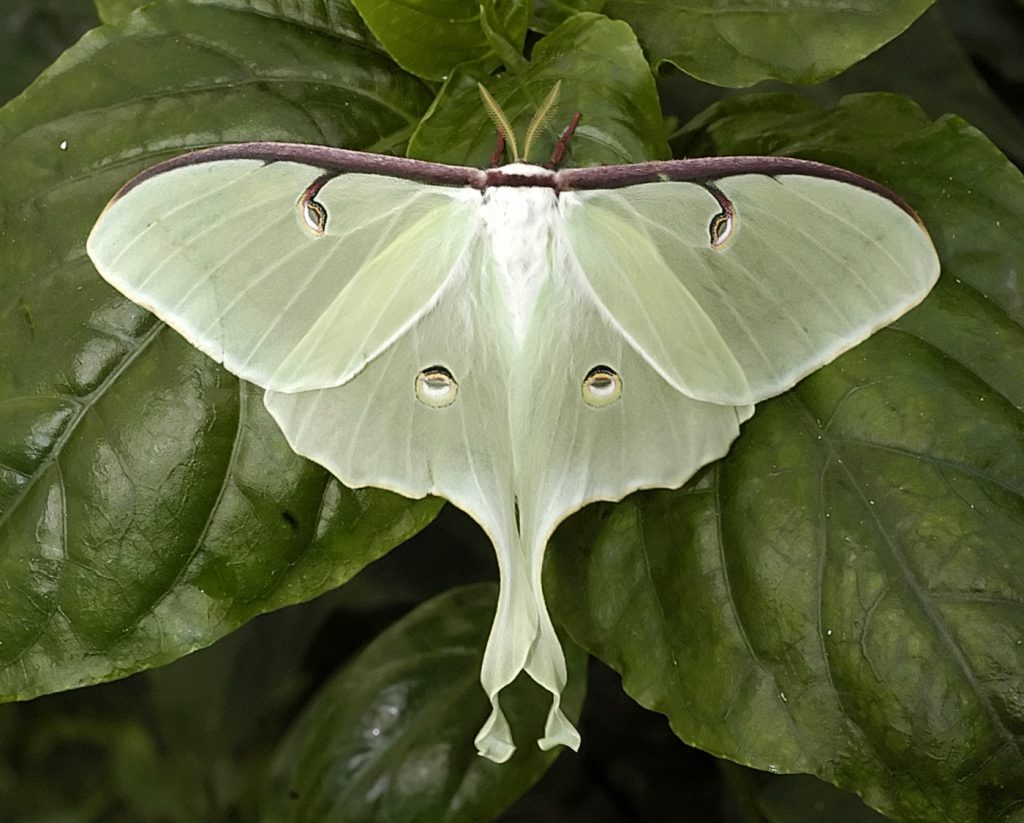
[518, 221]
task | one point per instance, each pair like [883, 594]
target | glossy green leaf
[506, 37]
[391, 736]
[604, 76]
[929, 64]
[33, 33]
[548, 15]
[431, 37]
[148, 503]
[842, 594]
[741, 43]
[181, 743]
[115, 11]
[799, 798]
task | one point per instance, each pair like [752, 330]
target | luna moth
[519, 340]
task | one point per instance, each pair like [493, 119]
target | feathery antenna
[541, 117]
[500, 120]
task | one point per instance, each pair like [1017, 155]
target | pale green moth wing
[759, 279]
[386, 428]
[519, 341]
[520, 429]
[233, 253]
[592, 420]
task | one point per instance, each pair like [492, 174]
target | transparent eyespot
[315, 216]
[314, 213]
[602, 386]
[720, 228]
[435, 387]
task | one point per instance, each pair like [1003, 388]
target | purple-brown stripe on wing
[324, 157]
[709, 169]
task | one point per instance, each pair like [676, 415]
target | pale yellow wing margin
[289, 295]
[735, 291]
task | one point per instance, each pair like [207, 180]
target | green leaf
[928, 64]
[33, 33]
[800, 798]
[117, 11]
[841, 595]
[337, 18]
[148, 503]
[548, 15]
[429, 38]
[740, 44]
[177, 744]
[391, 736]
[604, 76]
[507, 45]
